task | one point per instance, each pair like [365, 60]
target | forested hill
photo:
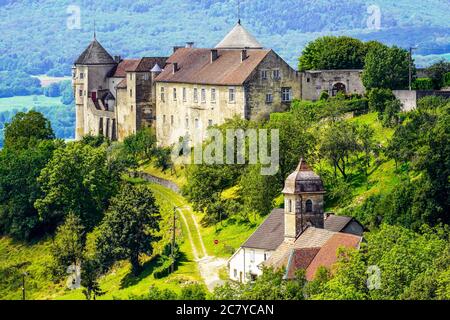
[36, 38]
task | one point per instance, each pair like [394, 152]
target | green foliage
[19, 189]
[163, 159]
[437, 72]
[68, 246]
[271, 285]
[386, 68]
[129, 227]
[422, 84]
[79, 179]
[447, 79]
[193, 291]
[390, 117]
[324, 96]
[378, 97]
[142, 144]
[405, 259]
[333, 53]
[18, 83]
[27, 128]
[90, 272]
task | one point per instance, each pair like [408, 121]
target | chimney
[214, 55]
[117, 59]
[175, 67]
[243, 55]
[189, 44]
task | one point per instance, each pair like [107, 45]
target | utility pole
[410, 66]
[23, 285]
[173, 239]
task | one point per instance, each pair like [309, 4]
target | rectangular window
[210, 123]
[131, 76]
[162, 94]
[290, 205]
[164, 118]
[252, 256]
[174, 94]
[131, 93]
[285, 94]
[187, 123]
[195, 95]
[235, 273]
[265, 256]
[184, 94]
[269, 97]
[203, 95]
[231, 95]
[264, 74]
[146, 76]
[276, 74]
[81, 93]
[213, 95]
[81, 75]
[171, 119]
[197, 124]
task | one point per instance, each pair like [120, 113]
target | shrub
[324, 96]
[422, 84]
[378, 97]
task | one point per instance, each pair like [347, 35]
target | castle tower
[303, 198]
[89, 75]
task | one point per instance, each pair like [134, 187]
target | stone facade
[113, 97]
[189, 108]
[313, 83]
[409, 98]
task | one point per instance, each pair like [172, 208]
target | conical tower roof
[303, 180]
[95, 54]
[239, 38]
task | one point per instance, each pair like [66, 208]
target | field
[28, 102]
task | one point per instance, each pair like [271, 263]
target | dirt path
[209, 266]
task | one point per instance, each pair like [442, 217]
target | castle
[193, 89]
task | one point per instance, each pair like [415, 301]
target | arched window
[309, 205]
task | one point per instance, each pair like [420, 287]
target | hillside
[153, 27]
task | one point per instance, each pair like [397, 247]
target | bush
[377, 99]
[447, 79]
[422, 84]
[324, 96]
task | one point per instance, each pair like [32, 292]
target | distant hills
[38, 36]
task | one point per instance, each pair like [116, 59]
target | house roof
[303, 179]
[270, 233]
[300, 259]
[336, 223]
[327, 254]
[95, 54]
[310, 238]
[124, 66]
[194, 66]
[122, 84]
[145, 64]
[239, 38]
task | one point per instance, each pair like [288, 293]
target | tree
[333, 53]
[26, 128]
[19, 189]
[437, 73]
[90, 272]
[129, 227]
[386, 68]
[68, 246]
[378, 97]
[367, 146]
[338, 143]
[79, 179]
[142, 144]
[391, 113]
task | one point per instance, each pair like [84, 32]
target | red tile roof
[195, 66]
[327, 255]
[300, 259]
[124, 66]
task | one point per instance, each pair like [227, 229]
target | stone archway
[338, 87]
